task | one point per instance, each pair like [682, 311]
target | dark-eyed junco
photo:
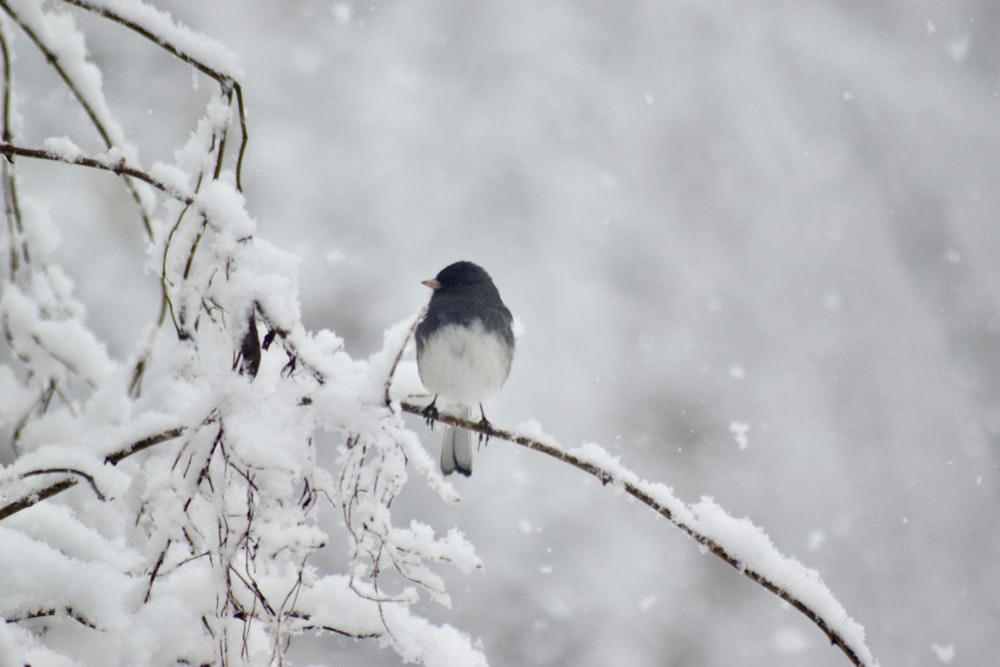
[464, 348]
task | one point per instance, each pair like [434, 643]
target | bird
[465, 346]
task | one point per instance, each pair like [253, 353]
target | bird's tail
[456, 450]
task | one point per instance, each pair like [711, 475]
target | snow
[740, 432]
[201, 48]
[945, 653]
[755, 551]
[63, 147]
[59, 34]
[38, 577]
[418, 641]
[55, 344]
[762, 215]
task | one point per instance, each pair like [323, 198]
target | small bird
[465, 345]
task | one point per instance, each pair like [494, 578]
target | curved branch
[858, 655]
[46, 492]
[87, 477]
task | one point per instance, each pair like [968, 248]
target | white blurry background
[781, 215]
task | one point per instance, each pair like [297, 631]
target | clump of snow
[172, 176]
[55, 345]
[740, 431]
[63, 147]
[533, 429]
[225, 207]
[945, 653]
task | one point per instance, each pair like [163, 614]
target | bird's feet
[430, 413]
[485, 427]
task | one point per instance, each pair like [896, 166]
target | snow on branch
[67, 153]
[738, 542]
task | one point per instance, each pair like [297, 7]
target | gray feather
[456, 449]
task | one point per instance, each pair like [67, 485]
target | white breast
[464, 364]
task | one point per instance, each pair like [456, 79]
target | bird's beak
[432, 283]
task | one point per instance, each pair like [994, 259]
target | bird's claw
[484, 433]
[430, 415]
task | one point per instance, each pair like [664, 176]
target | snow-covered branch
[115, 164]
[737, 542]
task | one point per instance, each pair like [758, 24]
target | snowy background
[755, 250]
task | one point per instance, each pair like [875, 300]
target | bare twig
[68, 471]
[399, 354]
[155, 571]
[141, 445]
[12, 208]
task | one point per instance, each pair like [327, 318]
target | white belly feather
[464, 364]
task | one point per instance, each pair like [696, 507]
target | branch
[69, 612]
[118, 167]
[858, 655]
[68, 471]
[46, 492]
[140, 445]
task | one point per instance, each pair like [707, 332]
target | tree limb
[118, 167]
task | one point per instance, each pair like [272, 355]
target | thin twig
[68, 612]
[68, 471]
[399, 354]
[118, 167]
[12, 208]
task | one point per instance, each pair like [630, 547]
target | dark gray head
[462, 277]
